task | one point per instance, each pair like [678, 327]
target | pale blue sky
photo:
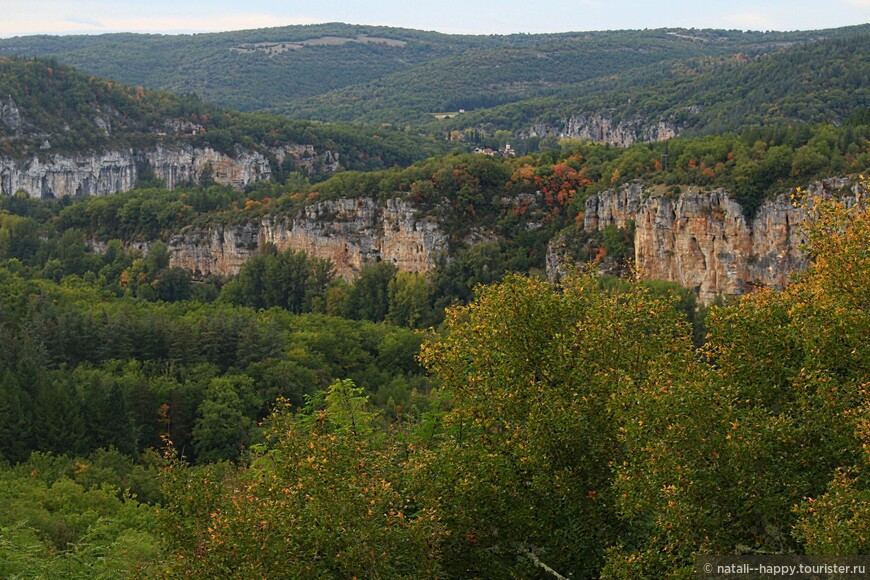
[22, 17]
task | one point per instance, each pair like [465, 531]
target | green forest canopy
[254, 75]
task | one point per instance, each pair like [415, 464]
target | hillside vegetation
[223, 68]
[338, 72]
[821, 81]
[515, 68]
[573, 427]
[49, 107]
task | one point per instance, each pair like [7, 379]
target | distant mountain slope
[339, 72]
[248, 70]
[823, 81]
[524, 67]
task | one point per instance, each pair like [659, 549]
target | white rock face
[10, 116]
[178, 166]
[702, 240]
[57, 175]
[605, 129]
[350, 232]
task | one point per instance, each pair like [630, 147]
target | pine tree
[15, 420]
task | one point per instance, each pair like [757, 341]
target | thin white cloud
[91, 22]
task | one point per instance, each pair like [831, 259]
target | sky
[24, 17]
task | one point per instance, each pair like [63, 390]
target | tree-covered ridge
[517, 68]
[428, 73]
[821, 81]
[48, 104]
[49, 107]
[251, 80]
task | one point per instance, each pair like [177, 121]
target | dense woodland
[789, 91]
[704, 93]
[578, 427]
[191, 63]
[447, 67]
[810, 83]
[474, 421]
[510, 83]
[511, 433]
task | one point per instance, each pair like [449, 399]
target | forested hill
[517, 68]
[47, 107]
[253, 69]
[384, 74]
[816, 82]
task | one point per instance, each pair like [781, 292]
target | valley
[347, 301]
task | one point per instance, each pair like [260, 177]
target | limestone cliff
[177, 166]
[606, 129]
[57, 175]
[702, 240]
[350, 232]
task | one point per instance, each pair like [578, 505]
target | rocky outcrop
[613, 207]
[57, 175]
[350, 232]
[605, 129]
[306, 158]
[10, 117]
[177, 166]
[702, 240]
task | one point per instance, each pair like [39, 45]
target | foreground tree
[323, 497]
[521, 467]
[833, 304]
